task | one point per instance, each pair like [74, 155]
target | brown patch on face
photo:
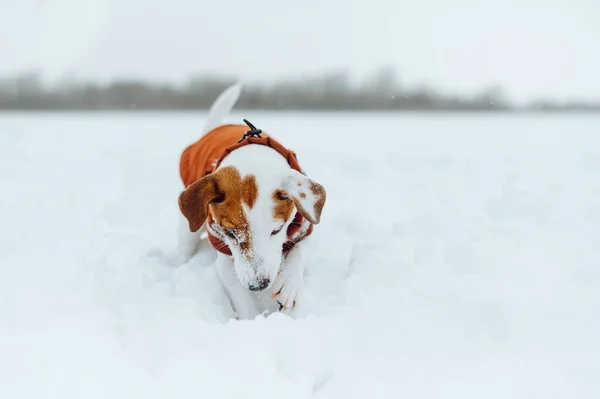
[224, 196]
[249, 190]
[302, 195]
[229, 213]
[284, 206]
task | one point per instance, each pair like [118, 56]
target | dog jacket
[205, 155]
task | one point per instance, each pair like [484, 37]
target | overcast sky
[532, 48]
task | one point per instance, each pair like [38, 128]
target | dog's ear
[308, 195]
[193, 202]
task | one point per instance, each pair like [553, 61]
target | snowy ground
[458, 257]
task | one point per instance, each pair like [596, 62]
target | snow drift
[457, 257]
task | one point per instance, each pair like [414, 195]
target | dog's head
[253, 197]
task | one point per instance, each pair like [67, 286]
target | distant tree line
[332, 91]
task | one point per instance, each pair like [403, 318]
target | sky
[531, 48]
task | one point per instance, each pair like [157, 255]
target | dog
[248, 194]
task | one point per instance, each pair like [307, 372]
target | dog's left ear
[193, 202]
[308, 195]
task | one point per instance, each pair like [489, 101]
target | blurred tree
[329, 91]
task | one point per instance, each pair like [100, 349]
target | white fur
[222, 107]
[188, 242]
[271, 172]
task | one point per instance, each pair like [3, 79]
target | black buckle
[253, 132]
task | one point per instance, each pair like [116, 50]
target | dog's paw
[287, 287]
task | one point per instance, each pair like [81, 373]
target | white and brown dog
[249, 194]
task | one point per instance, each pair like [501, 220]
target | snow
[458, 256]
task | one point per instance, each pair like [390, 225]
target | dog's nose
[262, 284]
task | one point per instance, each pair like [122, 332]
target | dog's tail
[222, 107]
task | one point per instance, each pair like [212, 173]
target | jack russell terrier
[248, 193]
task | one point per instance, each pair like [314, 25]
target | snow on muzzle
[257, 277]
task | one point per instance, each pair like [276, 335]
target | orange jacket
[200, 158]
[204, 156]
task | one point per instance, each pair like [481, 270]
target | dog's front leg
[240, 297]
[188, 241]
[289, 282]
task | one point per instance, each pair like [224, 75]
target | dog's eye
[218, 199]
[276, 231]
[281, 196]
[230, 233]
